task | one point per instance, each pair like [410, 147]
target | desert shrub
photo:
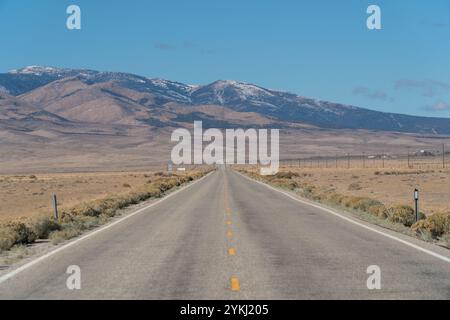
[319, 196]
[308, 191]
[285, 183]
[364, 204]
[437, 225]
[377, 210]
[82, 210]
[74, 227]
[23, 234]
[88, 223]
[402, 214]
[7, 238]
[64, 234]
[350, 202]
[354, 186]
[358, 203]
[334, 198]
[43, 226]
[85, 216]
[286, 175]
[167, 185]
[15, 233]
[109, 206]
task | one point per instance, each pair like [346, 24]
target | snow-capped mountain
[129, 93]
[225, 91]
[20, 81]
[42, 70]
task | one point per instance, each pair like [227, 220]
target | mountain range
[102, 112]
[122, 98]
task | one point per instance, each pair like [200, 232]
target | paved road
[227, 237]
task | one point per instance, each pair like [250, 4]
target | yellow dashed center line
[235, 286]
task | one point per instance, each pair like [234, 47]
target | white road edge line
[412, 245]
[72, 243]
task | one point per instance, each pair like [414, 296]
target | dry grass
[30, 195]
[389, 186]
[438, 225]
[88, 214]
[385, 197]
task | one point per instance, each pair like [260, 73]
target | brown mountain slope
[74, 124]
[13, 108]
[100, 103]
[110, 103]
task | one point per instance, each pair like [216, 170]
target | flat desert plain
[30, 195]
[391, 186]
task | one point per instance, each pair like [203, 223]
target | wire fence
[410, 159]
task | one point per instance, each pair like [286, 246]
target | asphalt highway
[227, 237]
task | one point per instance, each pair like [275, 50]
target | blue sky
[316, 48]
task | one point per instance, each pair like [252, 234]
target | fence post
[443, 156]
[348, 160]
[416, 201]
[55, 206]
[409, 166]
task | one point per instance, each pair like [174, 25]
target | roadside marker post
[416, 200]
[55, 206]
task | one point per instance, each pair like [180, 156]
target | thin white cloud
[439, 106]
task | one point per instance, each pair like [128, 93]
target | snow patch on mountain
[245, 91]
[4, 90]
[37, 70]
